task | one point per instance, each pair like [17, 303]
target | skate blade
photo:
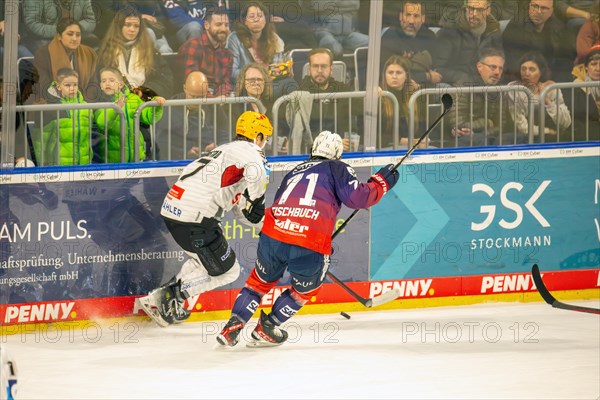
[152, 312]
[253, 343]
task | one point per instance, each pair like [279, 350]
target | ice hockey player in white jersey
[234, 177]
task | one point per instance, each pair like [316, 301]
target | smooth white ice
[512, 350]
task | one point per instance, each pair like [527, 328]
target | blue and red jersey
[308, 201]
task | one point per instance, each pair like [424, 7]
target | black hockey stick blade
[550, 299]
[370, 302]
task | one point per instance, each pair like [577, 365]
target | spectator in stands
[588, 35]
[413, 40]
[463, 36]
[504, 10]
[335, 24]
[575, 12]
[109, 124]
[66, 51]
[291, 22]
[22, 51]
[320, 80]
[149, 10]
[476, 118]
[587, 98]
[255, 81]
[255, 39]
[186, 17]
[396, 80]
[40, 18]
[128, 48]
[209, 55]
[65, 137]
[535, 75]
[192, 127]
[539, 30]
[26, 72]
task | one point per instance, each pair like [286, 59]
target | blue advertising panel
[79, 234]
[494, 212]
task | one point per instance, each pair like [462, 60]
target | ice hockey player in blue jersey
[296, 236]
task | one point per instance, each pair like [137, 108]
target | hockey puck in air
[343, 314]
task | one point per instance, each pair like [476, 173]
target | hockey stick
[447, 102]
[550, 299]
[395, 293]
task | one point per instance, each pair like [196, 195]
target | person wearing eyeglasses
[462, 37]
[471, 123]
[256, 82]
[539, 29]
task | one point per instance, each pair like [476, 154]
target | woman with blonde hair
[129, 48]
[255, 81]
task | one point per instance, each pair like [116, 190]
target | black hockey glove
[255, 209]
[386, 178]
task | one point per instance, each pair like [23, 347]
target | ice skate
[180, 313]
[155, 306]
[229, 336]
[266, 333]
[165, 304]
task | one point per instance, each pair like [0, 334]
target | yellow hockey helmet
[251, 123]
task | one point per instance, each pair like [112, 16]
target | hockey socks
[246, 304]
[286, 305]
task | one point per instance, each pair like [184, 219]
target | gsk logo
[490, 210]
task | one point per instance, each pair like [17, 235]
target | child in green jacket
[65, 136]
[109, 144]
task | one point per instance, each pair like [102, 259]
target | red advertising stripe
[220, 300]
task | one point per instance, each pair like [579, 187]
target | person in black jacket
[463, 36]
[539, 30]
[411, 39]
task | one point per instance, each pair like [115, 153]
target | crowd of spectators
[242, 48]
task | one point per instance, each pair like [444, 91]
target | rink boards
[459, 227]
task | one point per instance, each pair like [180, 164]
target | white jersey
[215, 183]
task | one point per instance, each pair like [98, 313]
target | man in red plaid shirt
[208, 53]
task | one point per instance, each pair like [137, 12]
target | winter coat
[41, 16]
[555, 42]
[112, 144]
[395, 42]
[71, 132]
[459, 47]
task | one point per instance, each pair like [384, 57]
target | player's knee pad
[257, 284]
[217, 257]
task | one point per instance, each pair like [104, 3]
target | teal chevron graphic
[393, 255]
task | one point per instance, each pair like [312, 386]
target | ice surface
[512, 350]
